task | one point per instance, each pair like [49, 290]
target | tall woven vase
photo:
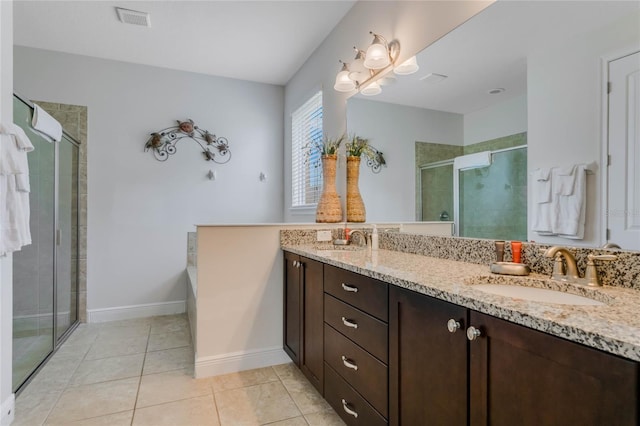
[329, 209]
[355, 205]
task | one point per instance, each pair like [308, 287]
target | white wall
[503, 119]
[415, 24]
[565, 110]
[394, 129]
[139, 209]
[6, 266]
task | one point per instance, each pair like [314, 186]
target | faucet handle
[558, 267]
[591, 273]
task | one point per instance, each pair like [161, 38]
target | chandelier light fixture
[366, 72]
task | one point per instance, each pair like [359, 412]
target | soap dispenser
[374, 238]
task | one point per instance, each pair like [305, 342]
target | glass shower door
[33, 266]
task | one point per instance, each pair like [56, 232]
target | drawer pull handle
[347, 287]
[349, 363]
[349, 323]
[348, 410]
[453, 325]
[473, 333]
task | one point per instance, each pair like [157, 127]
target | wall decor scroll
[163, 143]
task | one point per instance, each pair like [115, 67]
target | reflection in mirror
[423, 123]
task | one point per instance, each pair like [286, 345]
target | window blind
[306, 165]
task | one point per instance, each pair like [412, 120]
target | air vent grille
[133, 17]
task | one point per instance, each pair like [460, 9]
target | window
[306, 166]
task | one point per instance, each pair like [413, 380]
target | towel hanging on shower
[46, 125]
[14, 188]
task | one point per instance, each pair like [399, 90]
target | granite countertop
[613, 327]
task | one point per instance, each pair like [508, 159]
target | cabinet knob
[349, 288]
[473, 333]
[348, 363]
[349, 323]
[453, 325]
[348, 409]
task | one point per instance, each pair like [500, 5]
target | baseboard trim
[8, 410]
[136, 311]
[239, 361]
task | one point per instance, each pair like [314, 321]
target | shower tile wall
[441, 178]
[74, 120]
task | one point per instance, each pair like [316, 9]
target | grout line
[215, 403]
[144, 360]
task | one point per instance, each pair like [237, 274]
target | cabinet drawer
[361, 370]
[362, 292]
[349, 405]
[365, 330]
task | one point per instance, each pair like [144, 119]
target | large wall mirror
[520, 83]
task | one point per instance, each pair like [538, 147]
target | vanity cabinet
[303, 316]
[356, 346]
[507, 374]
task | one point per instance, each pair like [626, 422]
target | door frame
[604, 136]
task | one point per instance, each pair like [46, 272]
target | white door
[623, 212]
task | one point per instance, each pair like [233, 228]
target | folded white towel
[542, 185]
[46, 125]
[472, 161]
[564, 179]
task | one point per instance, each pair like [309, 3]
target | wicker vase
[355, 205]
[329, 209]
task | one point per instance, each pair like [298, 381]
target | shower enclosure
[484, 201]
[45, 273]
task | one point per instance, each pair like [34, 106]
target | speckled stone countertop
[613, 327]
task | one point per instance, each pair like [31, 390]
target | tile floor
[139, 372]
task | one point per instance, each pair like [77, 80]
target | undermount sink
[535, 294]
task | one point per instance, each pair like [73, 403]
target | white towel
[46, 125]
[571, 208]
[564, 180]
[543, 208]
[472, 161]
[17, 163]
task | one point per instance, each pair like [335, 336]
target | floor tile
[243, 379]
[102, 370]
[118, 419]
[56, 374]
[33, 406]
[255, 405]
[325, 418]
[288, 370]
[169, 324]
[74, 351]
[124, 330]
[99, 399]
[296, 421]
[106, 347]
[305, 395]
[176, 339]
[200, 411]
[171, 386]
[167, 360]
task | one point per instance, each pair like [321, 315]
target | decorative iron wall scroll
[163, 143]
[375, 159]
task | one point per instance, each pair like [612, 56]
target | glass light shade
[358, 71]
[371, 89]
[377, 55]
[407, 67]
[387, 80]
[343, 82]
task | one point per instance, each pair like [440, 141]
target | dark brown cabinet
[504, 374]
[526, 377]
[303, 316]
[427, 363]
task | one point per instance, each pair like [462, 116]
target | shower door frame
[58, 340]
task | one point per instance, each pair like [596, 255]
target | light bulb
[377, 55]
[343, 82]
[407, 67]
[371, 89]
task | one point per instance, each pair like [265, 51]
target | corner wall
[140, 209]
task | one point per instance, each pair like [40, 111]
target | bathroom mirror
[475, 92]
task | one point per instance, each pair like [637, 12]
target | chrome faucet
[362, 238]
[558, 253]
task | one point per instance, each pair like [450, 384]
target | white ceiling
[490, 51]
[263, 41]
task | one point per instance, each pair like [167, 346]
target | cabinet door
[311, 362]
[427, 363]
[525, 377]
[292, 307]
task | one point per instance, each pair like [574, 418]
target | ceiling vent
[133, 17]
